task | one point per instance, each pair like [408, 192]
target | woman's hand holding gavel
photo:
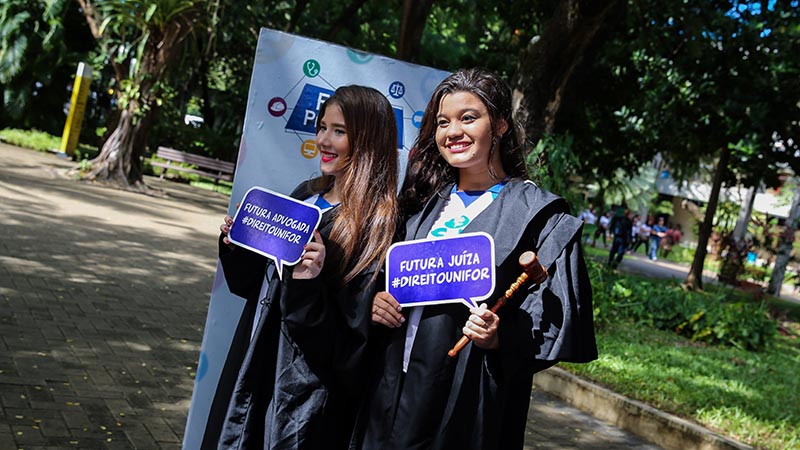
[532, 270]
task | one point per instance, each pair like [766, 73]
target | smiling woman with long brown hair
[299, 357]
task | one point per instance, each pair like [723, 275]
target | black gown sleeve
[243, 269]
[554, 320]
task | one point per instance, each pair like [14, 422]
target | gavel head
[530, 264]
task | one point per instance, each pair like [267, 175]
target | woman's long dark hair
[366, 219]
[428, 172]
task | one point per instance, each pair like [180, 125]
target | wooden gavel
[531, 269]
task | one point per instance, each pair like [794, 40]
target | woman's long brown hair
[366, 219]
[427, 170]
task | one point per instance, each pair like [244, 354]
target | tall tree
[694, 279]
[785, 241]
[141, 41]
[551, 62]
[412, 23]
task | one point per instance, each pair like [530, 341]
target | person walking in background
[589, 218]
[657, 232]
[468, 164]
[637, 222]
[620, 228]
[298, 382]
[644, 235]
[602, 226]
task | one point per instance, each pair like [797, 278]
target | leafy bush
[715, 316]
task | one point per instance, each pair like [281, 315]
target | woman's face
[332, 141]
[464, 132]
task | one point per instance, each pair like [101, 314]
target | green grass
[223, 187]
[39, 141]
[193, 179]
[748, 396]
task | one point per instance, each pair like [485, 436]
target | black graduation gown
[300, 377]
[479, 400]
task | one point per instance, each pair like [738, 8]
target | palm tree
[141, 41]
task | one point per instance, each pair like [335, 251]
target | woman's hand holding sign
[386, 310]
[481, 328]
[311, 263]
[225, 228]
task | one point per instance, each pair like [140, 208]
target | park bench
[205, 166]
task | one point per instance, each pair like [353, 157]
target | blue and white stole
[461, 208]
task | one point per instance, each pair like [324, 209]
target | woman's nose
[322, 137]
[453, 129]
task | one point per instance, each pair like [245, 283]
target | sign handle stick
[532, 270]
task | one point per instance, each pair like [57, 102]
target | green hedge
[716, 316]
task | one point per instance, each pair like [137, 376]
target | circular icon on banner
[309, 149]
[416, 119]
[311, 68]
[397, 89]
[276, 107]
[359, 57]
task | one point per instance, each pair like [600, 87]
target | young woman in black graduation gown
[303, 372]
[466, 173]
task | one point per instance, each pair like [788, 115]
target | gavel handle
[531, 269]
[464, 339]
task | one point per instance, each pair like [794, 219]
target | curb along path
[650, 424]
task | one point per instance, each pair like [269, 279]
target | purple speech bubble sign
[274, 225]
[449, 270]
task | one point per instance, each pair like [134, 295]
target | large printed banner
[292, 77]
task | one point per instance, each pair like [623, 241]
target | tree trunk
[785, 246]
[347, 14]
[744, 214]
[412, 24]
[299, 8]
[551, 62]
[120, 159]
[733, 264]
[694, 280]
[113, 162]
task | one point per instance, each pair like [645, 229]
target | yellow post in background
[77, 106]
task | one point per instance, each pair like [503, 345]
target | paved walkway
[638, 263]
[103, 299]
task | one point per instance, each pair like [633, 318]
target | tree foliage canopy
[683, 78]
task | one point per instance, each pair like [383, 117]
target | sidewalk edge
[665, 430]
